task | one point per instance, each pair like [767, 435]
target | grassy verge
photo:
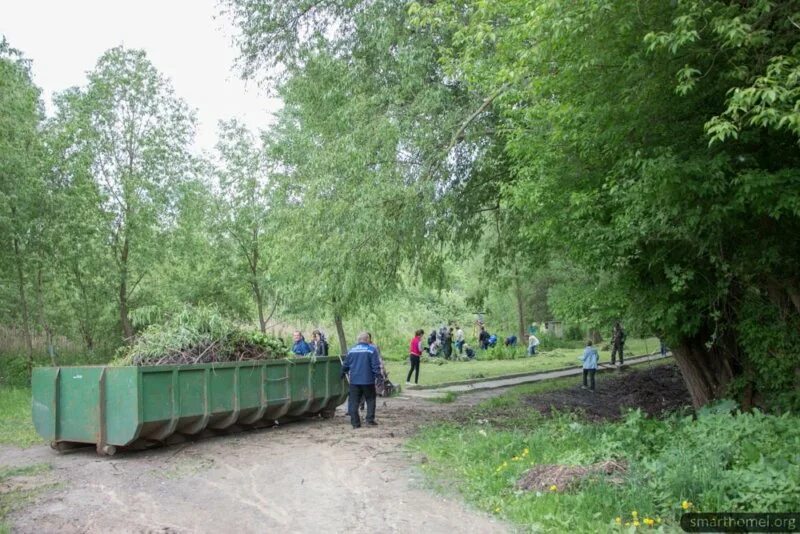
[16, 425]
[719, 461]
[454, 371]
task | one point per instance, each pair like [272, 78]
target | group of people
[317, 347]
[442, 341]
[367, 376]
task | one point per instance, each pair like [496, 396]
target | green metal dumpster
[122, 406]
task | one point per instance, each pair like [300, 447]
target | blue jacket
[301, 348]
[363, 364]
[589, 358]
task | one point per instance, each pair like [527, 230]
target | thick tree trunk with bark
[340, 333]
[707, 372]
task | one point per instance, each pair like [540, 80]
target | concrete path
[500, 382]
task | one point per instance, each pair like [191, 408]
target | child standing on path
[589, 359]
[414, 354]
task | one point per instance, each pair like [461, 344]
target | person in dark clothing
[432, 338]
[483, 338]
[300, 347]
[511, 341]
[414, 355]
[319, 345]
[617, 343]
[469, 351]
[364, 367]
[662, 347]
[447, 343]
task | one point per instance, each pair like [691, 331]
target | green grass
[718, 461]
[455, 371]
[448, 397]
[16, 425]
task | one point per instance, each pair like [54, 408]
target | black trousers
[589, 373]
[617, 349]
[414, 367]
[357, 391]
[448, 350]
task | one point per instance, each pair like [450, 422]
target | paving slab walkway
[503, 382]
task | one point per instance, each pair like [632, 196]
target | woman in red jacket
[414, 354]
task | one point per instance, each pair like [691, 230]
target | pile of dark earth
[654, 391]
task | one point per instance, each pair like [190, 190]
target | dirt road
[309, 476]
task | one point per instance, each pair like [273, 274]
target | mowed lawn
[454, 371]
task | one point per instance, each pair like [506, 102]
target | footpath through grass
[444, 371]
[719, 461]
[16, 425]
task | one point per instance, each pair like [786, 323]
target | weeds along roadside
[720, 460]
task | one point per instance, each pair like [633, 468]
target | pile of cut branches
[201, 335]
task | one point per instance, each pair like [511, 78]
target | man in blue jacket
[300, 347]
[364, 367]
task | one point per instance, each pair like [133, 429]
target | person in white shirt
[460, 340]
[533, 342]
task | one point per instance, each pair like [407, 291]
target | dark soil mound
[655, 391]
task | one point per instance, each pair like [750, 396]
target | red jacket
[414, 349]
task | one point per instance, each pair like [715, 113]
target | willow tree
[367, 117]
[656, 147]
[131, 134]
[244, 209]
[21, 211]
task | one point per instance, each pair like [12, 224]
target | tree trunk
[595, 336]
[262, 323]
[340, 333]
[48, 331]
[127, 328]
[706, 372]
[26, 332]
[520, 305]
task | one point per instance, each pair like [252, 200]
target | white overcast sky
[187, 40]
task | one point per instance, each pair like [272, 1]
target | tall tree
[245, 209]
[20, 179]
[133, 134]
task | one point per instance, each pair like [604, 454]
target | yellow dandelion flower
[497, 510]
[649, 521]
[686, 505]
[636, 523]
[627, 523]
[553, 488]
[658, 520]
[634, 514]
[618, 520]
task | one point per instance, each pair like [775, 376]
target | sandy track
[310, 476]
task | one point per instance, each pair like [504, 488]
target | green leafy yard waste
[201, 335]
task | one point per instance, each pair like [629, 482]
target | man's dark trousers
[356, 392]
[620, 348]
